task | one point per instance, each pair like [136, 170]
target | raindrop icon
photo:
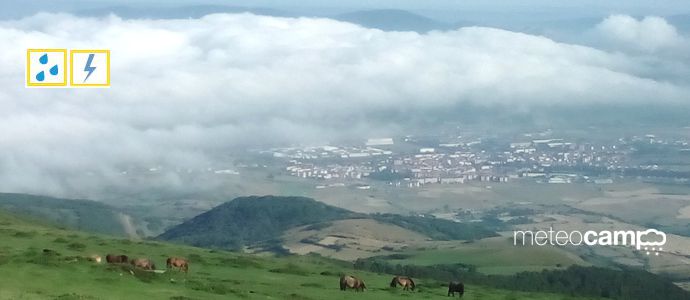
[43, 59]
[40, 76]
[54, 70]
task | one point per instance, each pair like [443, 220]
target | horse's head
[364, 286]
[394, 281]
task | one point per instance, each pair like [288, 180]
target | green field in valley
[492, 256]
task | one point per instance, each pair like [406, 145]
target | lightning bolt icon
[88, 67]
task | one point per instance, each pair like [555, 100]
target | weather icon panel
[46, 67]
[90, 68]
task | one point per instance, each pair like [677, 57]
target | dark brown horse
[352, 282]
[116, 259]
[176, 262]
[143, 263]
[406, 282]
[456, 287]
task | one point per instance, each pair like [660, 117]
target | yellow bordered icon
[40, 64]
[89, 67]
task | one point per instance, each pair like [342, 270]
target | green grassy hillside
[63, 273]
[77, 214]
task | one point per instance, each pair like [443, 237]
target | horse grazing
[352, 282]
[176, 262]
[116, 259]
[456, 286]
[143, 263]
[406, 282]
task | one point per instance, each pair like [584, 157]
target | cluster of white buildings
[546, 160]
[321, 152]
[330, 171]
[429, 167]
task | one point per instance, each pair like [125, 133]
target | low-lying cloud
[648, 34]
[184, 91]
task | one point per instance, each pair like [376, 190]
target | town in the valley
[411, 161]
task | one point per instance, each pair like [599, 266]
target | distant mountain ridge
[394, 20]
[262, 220]
[182, 12]
[383, 19]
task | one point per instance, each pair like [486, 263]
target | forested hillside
[251, 221]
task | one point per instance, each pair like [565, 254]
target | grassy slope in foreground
[30, 274]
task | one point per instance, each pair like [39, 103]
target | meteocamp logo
[52, 67]
[650, 240]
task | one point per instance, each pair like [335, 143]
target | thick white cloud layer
[648, 35]
[185, 89]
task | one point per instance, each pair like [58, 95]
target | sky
[185, 90]
[446, 10]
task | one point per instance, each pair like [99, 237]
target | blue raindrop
[54, 70]
[40, 76]
[43, 59]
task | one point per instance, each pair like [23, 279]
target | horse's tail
[168, 263]
[394, 281]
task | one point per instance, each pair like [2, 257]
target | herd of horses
[354, 283]
[346, 281]
[180, 264]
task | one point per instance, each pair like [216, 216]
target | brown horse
[176, 262]
[456, 287]
[116, 259]
[143, 263]
[406, 282]
[352, 282]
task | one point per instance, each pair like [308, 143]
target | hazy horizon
[186, 90]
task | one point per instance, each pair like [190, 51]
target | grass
[30, 272]
[492, 256]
